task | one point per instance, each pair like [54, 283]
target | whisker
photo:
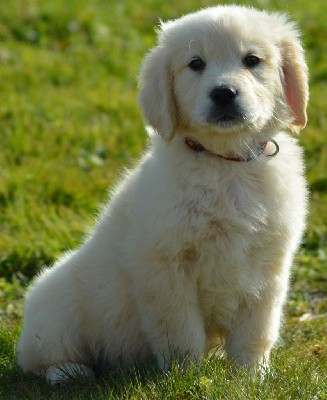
[277, 119]
[189, 45]
[281, 101]
[251, 151]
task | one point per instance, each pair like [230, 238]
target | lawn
[69, 125]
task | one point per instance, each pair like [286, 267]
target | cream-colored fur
[191, 247]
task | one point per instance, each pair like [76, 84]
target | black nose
[223, 95]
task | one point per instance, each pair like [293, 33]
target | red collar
[263, 149]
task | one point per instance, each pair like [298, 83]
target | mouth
[228, 119]
[227, 122]
[229, 125]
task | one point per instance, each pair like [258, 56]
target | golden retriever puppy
[197, 241]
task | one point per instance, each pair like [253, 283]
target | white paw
[63, 372]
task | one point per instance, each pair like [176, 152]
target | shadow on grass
[112, 383]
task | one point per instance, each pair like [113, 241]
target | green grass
[70, 123]
[298, 368]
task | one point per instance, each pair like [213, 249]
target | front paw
[256, 367]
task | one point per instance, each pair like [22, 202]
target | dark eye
[251, 61]
[197, 64]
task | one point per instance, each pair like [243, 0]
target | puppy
[197, 241]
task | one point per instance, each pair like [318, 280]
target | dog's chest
[235, 210]
[222, 228]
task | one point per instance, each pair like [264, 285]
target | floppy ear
[156, 93]
[296, 81]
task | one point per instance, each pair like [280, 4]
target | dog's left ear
[156, 93]
[295, 80]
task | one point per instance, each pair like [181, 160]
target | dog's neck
[269, 148]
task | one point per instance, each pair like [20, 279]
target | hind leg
[51, 334]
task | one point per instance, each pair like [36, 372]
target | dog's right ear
[156, 93]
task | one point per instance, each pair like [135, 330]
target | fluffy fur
[192, 248]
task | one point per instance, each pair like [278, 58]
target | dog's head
[225, 70]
